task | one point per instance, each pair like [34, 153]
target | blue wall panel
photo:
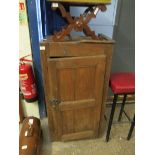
[34, 37]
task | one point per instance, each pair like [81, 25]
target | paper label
[42, 47]
[55, 5]
[24, 147]
[96, 11]
[26, 132]
[31, 121]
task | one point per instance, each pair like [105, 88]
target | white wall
[30, 109]
[104, 22]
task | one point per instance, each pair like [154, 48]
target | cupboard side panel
[43, 55]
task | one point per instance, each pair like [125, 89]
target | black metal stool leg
[122, 108]
[111, 116]
[131, 128]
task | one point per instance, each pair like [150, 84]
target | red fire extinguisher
[27, 81]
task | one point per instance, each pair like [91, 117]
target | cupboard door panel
[66, 84]
[77, 84]
[85, 82]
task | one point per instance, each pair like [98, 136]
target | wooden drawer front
[76, 49]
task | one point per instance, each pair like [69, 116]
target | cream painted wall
[30, 109]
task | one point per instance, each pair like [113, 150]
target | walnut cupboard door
[76, 84]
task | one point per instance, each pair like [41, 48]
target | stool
[121, 84]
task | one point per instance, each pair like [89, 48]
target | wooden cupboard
[75, 75]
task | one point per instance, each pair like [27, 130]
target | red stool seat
[122, 83]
